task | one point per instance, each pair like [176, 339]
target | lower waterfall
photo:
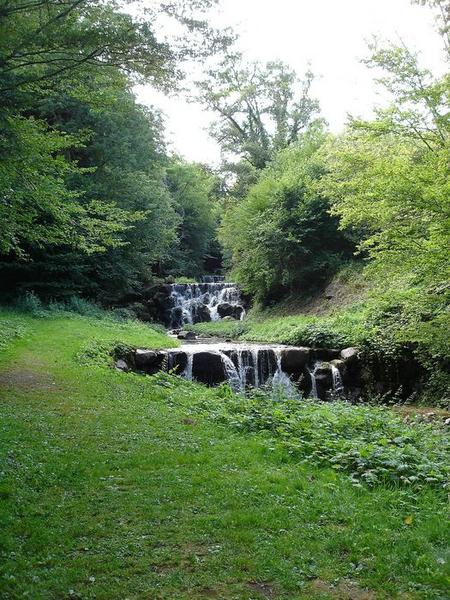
[252, 366]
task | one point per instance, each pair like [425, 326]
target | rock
[158, 364]
[207, 367]
[228, 318]
[177, 317]
[201, 314]
[186, 335]
[304, 382]
[293, 360]
[326, 354]
[177, 361]
[121, 365]
[349, 354]
[324, 380]
[230, 310]
[339, 364]
[144, 359]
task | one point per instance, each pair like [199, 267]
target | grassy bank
[119, 486]
[335, 330]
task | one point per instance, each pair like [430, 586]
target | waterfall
[312, 374]
[188, 371]
[252, 365]
[207, 301]
[338, 385]
[281, 380]
[233, 377]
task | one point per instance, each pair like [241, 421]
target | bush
[10, 329]
[31, 304]
[371, 443]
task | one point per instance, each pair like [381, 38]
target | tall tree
[81, 49]
[191, 189]
[281, 236]
[261, 109]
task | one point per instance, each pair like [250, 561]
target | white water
[252, 365]
[196, 302]
[188, 371]
[337, 383]
[281, 380]
[312, 374]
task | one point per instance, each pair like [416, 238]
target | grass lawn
[112, 487]
[341, 329]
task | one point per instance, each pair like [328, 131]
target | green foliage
[225, 329]
[281, 236]
[190, 187]
[261, 109]
[388, 181]
[84, 202]
[371, 444]
[125, 467]
[10, 330]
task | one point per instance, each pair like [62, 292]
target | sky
[329, 35]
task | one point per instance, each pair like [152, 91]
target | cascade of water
[255, 356]
[187, 374]
[251, 365]
[233, 377]
[312, 374]
[338, 385]
[281, 380]
[196, 302]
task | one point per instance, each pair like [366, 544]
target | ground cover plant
[153, 487]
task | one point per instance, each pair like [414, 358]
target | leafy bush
[371, 443]
[10, 329]
[31, 304]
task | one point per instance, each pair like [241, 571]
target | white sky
[331, 35]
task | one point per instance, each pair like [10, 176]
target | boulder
[208, 367]
[293, 360]
[201, 314]
[228, 318]
[339, 364]
[349, 354]
[148, 361]
[326, 354]
[144, 359]
[230, 310]
[186, 335]
[304, 382]
[121, 365]
[324, 380]
[176, 317]
[177, 361]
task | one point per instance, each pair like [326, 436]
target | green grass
[344, 328]
[117, 486]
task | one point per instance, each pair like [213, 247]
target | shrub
[371, 443]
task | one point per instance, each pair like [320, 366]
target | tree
[191, 187]
[83, 196]
[44, 42]
[388, 179]
[261, 108]
[281, 236]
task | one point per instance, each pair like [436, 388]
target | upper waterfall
[210, 300]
